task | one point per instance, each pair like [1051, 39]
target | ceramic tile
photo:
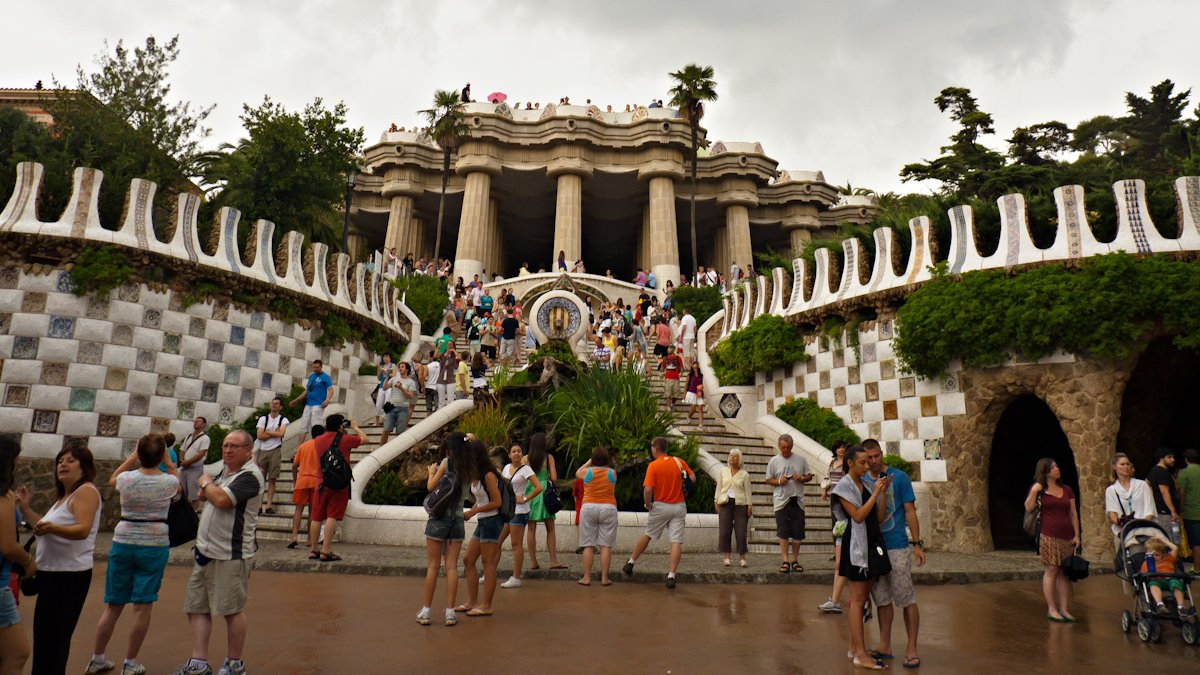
[82, 399]
[871, 389]
[152, 318]
[191, 367]
[25, 347]
[146, 359]
[166, 385]
[237, 335]
[208, 392]
[887, 369]
[90, 353]
[16, 395]
[892, 447]
[130, 292]
[139, 404]
[266, 381]
[248, 397]
[108, 425]
[122, 335]
[97, 307]
[5, 322]
[256, 320]
[839, 396]
[9, 277]
[929, 407]
[908, 386]
[889, 410]
[186, 410]
[216, 350]
[161, 425]
[45, 422]
[33, 302]
[54, 374]
[171, 342]
[196, 327]
[852, 375]
[856, 413]
[232, 374]
[272, 343]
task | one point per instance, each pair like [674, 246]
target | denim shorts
[134, 573]
[519, 520]
[450, 528]
[488, 530]
[8, 609]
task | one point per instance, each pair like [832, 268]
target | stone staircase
[718, 439]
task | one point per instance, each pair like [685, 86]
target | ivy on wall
[100, 270]
[766, 343]
[820, 424]
[1104, 308]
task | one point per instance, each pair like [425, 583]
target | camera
[345, 424]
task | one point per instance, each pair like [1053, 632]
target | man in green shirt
[1188, 484]
[444, 340]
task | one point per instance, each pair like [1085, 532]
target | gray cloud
[842, 87]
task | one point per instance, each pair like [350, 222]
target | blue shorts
[8, 608]
[488, 530]
[519, 520]
[134, 573]
[451, 528]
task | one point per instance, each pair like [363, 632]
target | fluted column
[568, 218]
[492, 237]
[643, 257]
[664, 241]
[801, 222]
[468, 255]
[400, 224]
[737, 222]
[720, 256]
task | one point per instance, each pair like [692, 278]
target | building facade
[608, 188]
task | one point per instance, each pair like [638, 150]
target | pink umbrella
[497, 97]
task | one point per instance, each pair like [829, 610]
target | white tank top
[59, 554]
[479, 492]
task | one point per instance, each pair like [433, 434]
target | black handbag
[1032, 522]
[29, 585]
[551, 500]
[1075, 567]
[182, 523]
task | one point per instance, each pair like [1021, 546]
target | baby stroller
[1131, 553]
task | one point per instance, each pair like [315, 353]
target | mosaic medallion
[730, 406]
[558, 318]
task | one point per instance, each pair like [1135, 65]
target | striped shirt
[229, 534]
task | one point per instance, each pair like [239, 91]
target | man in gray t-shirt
[787, 473]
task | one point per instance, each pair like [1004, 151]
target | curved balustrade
[857, 277]
[289, 265]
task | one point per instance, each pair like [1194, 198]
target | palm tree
[446, 127]
[694, 86]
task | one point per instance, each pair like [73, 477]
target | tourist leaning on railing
[66, 545]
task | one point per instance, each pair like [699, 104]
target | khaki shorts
[669, 517]
[896, 587]
[219, 588]
[671, 388]
[268, 462]
[689, 348]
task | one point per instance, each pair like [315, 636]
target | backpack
[446, 492]
[508, 498]
[689, 485]
[335, 470]
[551, 500]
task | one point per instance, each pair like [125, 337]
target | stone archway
[1026, 432]
[1158, 408]
[1085, 397]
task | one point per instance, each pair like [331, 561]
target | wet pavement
[306, 623]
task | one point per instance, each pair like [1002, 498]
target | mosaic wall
[110, 370]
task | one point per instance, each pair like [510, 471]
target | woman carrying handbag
[1058, 526]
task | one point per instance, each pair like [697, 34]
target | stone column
[664, 241]
[643, 257]
[737, 224]
[568, 206]
[469, 254]
[720, 254]
[400, 224]
[801, 222]
[492, 239]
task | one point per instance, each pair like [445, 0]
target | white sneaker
[132, 668]
[512, 582]
[94, 667]
[451, 617]
[423, 617]
[830, 607]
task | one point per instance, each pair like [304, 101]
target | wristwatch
[917, 542]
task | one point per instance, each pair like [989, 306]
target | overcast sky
[843, 87]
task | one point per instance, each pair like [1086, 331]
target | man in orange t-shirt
[662, 491]
[306, 475]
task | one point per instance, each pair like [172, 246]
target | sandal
[874, 665]
[292, 544]
[332, 557]
[559, 566]
[606, 583]
[878, 655]
[478, 612]
[912, 662]
[314, 555]
[796, 566]
[785, 568]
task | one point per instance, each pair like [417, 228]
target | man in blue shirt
[896, 587]
[317, 396]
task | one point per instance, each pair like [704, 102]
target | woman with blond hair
[733, 507]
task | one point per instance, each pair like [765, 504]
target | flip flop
[463, 608]
[912, 662]
[581, 582]
[559, 566]
[878, 655]
[536, 567]
[332, 557]
[606, 583]
[875, 665]
[478, 612]
[314, 555]
[796, 566]
[1056, 619]
[292, 544]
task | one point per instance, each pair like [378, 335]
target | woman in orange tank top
[598, 515]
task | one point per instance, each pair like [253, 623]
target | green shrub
[490, 424]
[766, 343]
[820, 424]
[366, 368]
[557, 349]
[769, 259]
[427, 297]
[284, 309]
[387, 487]
[1103, 309]
[200, 290]
[379, 341]
[216, 436]
[701, 301]
[334, 332]
[899, 463]
[614, 409]
[100, 269]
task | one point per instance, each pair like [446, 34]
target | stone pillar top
[472, 163]
[661, 168]
[801, 216]
[568, 165]
[737, 192]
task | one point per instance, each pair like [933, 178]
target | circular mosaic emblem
[558, 318]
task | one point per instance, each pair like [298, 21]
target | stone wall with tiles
[109, 370]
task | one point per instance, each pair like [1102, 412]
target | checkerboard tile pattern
[114, 369]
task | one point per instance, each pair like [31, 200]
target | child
[1163, 553]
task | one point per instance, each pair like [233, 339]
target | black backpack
[335, 470]
[446, 492]
[508, 498]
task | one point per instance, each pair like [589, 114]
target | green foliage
[490, 423]
[204, 288]
[820, 424]
[766, 343]
[387, 487]
[427, 297]
[291, 169]
[556, 349]
[770, 259]
[99, 269]
[614, 409]
[701, 301]
[334, 332]
[380, 342]
[899, 463]
[447, 126]
[366, 368]
[216, 436]
[1103, 309]
[628, 490]
[284, 309]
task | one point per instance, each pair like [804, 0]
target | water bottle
[1150, 566]
[1175, 539]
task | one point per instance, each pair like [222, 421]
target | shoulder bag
[1032, 522]
[551, 500]
[689, 485]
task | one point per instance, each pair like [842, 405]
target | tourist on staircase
[542, 463]
[193, 452]
[399, 394]
[526, 486]
[387, 370]
[269, 456]
[694, 395]
[318, 394]
[671, 366]
[787, 472]
[733, 507]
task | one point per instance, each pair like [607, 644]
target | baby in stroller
[1160, 557]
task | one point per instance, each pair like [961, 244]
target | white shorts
[669, 517]
[692, 399]
[313, 414]
[689, 348]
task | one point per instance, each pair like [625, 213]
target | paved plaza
[306, 623]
